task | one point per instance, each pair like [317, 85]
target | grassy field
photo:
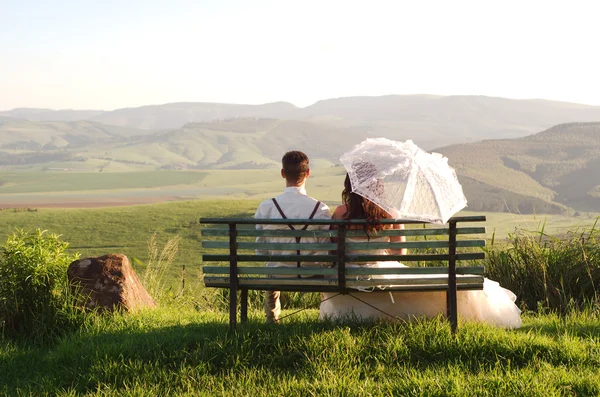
[183, 347]
[127, 229]
[64, 188]
[187, 352]
[60, 181]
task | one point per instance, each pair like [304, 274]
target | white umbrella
[404, 180]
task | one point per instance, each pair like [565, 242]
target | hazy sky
[107, 54]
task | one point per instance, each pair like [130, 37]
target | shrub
[549, 272]
[34, 290]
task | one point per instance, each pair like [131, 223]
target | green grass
[60, 181]
[184, 348]
[98, 231]
[126, 230]
[188, 352]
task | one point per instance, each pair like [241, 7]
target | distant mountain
[33, 114]
[255, 143]
[503, 161]
[558, 166]
[175, 115]
[431, 121]
[20, 134]
[38, 142]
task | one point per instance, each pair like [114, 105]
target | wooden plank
[273, 246]
[294, 281]
[252, 221]
[272, 270]
[349, 258]
[414, 257]
[337, 289]
[351, 246]
[470, 270]
[420, 232]
[333, 271]
[412, 270]
[412, 244]
[271, 233]
[414, 281]
[474, 218]
[271, 258]
[215, 232]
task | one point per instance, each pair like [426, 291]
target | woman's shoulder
[340, 211]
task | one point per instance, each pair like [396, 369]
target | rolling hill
[431, 121]
[554, 169]
[35, 114]
[503, 161]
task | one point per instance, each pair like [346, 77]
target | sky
[107, 54]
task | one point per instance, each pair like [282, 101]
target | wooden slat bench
[235, 238]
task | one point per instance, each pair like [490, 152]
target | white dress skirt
[493, 305]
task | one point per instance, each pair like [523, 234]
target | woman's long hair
[358, 207]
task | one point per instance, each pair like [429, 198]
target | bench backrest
[235, 238]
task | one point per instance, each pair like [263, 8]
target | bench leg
[244, 306]
[452, 309]
[232, 308]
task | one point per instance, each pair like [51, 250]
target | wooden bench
[235, 239]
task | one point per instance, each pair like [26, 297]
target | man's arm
[322, 213]
[260, 214]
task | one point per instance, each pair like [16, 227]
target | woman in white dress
[493, 305]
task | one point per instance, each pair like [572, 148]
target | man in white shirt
[293, 203]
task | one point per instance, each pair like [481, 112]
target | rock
[108, 283]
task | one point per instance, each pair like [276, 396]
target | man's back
[295, 204]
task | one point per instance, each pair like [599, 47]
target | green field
[68, 189]
[182, 352]
[183, 347]
[61, 181]
[126, 229]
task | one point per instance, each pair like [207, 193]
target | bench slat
[414, 258]
[413, 244]
[333, 233]
[273, 246]
[272, 270]
[270, 258]
[296, 283]
[271, 233]
[349, 258]
[350, 246]
[335, 288]
[477, 270]
[252, 221]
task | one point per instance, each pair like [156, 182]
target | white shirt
[295, 204]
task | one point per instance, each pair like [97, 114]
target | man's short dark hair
[295, 166]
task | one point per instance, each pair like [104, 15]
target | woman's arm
[339, 213]
[398, 239]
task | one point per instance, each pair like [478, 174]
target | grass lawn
[98, 231]
[58, 181]
[190, 352]
[184, 347]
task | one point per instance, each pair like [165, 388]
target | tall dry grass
[549, 272]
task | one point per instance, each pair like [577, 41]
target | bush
[34, 291]
[548, 272]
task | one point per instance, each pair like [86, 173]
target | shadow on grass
[207, 350]
[84, 361]
[561, 328]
